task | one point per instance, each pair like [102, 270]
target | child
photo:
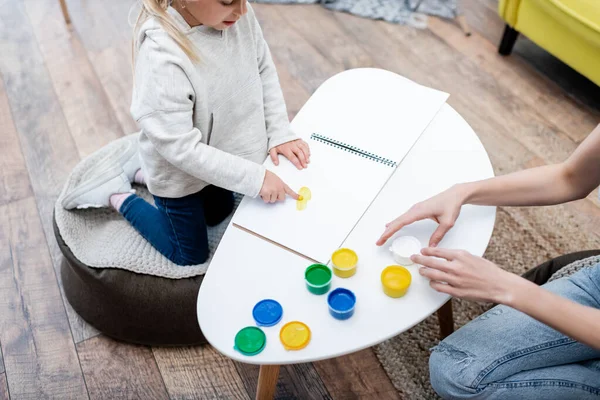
[207, 97]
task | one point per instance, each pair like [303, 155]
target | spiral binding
[352, 149]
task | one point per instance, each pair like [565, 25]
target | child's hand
[296, 151]
[274, 189]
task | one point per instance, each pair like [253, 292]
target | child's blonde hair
[158, 10]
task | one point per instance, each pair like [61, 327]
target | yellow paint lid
[294, 335]
[395, 280]
[344, 258]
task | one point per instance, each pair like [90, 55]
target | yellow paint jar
[395, 280]
[344, 262]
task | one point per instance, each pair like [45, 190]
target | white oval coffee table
[247, 268]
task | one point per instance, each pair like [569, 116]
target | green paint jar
[318, 278]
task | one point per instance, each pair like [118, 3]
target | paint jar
[267, 312]
[344, 262]
[403, 247]
[395, 280]
[341, 303]
[250, 341]
[294, 335]
[318, 278]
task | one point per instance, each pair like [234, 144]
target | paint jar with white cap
[403, 247]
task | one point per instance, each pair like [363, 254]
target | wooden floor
[65, 93]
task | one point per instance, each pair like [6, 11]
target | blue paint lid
[267, 312]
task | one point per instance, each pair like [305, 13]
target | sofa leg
[508, 41]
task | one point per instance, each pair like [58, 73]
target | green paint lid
[250, 341]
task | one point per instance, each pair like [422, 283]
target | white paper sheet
[373, 110]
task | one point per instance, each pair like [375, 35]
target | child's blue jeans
[177, 227]
[505, 354]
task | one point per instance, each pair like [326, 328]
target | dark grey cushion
[132, 307]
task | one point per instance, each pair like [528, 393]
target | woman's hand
[296, 151]
[443, 208]
[274, 189]
[461, 274]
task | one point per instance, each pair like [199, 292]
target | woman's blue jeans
[505, 354]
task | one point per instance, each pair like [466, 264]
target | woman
[541, 342]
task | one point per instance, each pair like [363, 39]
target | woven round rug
[522, 239]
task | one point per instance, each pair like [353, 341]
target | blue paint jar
[341, 303]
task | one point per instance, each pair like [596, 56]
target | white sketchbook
[359, 124]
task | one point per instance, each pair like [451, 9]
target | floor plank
[300, 381]
[483, 17]
[39, 354]
[115, 370]
[48, 147]
[573, 83]
[87, 109]
[294, 92]
[358, 375]
[525, 82]
[14, 177]
[199, 372]
[468, 85]
[302, 61]
[106, 34]
[331, 42]
[3, 388]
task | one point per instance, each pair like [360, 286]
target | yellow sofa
[568, 29]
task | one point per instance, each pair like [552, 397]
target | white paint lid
[403, 247]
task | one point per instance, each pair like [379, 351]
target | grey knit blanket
[102, 238]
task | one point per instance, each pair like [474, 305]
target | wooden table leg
[446, 319]
[267, 382]
[65, 11]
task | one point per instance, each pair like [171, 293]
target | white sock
[139, 177]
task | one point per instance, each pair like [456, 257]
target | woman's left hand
[466, 276]
[296, 151]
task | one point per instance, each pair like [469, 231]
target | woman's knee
[449, 371]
